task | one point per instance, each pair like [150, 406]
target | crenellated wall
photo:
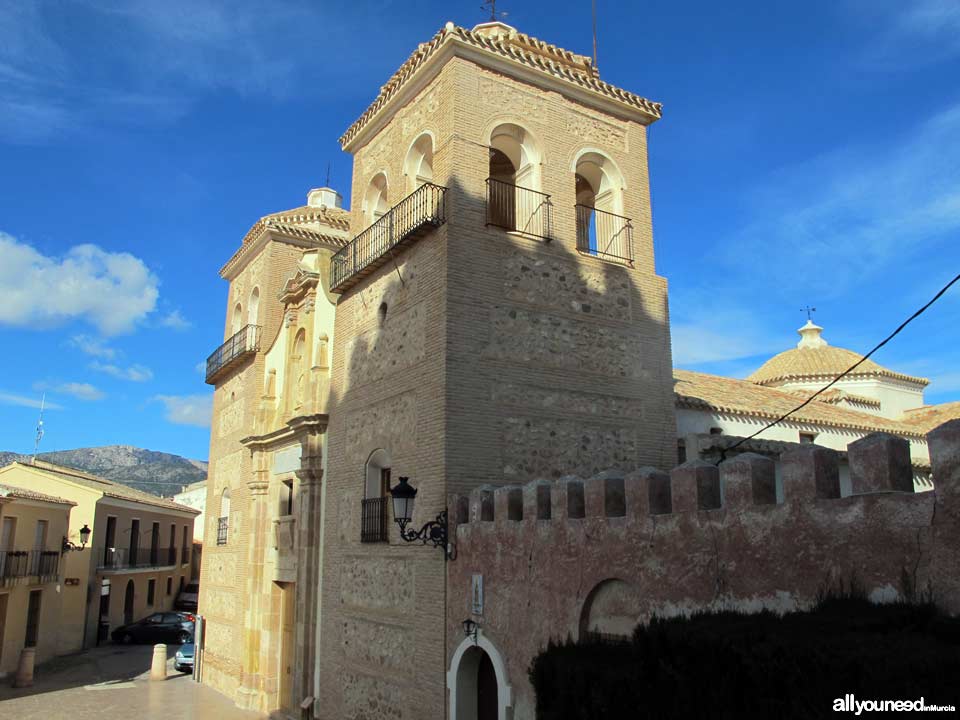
[602, 554]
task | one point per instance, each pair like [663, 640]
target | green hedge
[734, 665]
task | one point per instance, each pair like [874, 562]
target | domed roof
[815, 358]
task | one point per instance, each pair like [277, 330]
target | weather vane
[809, 311]
[493, 10]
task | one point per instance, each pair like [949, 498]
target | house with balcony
[33, 527]
[129, 552]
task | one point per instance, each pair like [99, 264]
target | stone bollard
[158, 668]
[24, 676]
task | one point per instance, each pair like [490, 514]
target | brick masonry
[623, 550]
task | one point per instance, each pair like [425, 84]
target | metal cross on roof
[493, 9]
[809, 311]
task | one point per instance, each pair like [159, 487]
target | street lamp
[433, 532]
[84, 538]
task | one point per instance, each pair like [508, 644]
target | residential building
[195, 496]
[33, 527]
[136, 560]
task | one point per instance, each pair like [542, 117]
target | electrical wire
[846, 372]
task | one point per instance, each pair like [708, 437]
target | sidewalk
[113, 682]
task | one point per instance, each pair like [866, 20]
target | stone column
[310, 476]
[258, 516]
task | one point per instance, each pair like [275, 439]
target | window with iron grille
[222, 526]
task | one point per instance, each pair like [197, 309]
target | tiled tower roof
[507, 43]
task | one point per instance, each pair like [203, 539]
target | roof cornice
[519, 55]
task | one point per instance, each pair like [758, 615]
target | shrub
[734, 665]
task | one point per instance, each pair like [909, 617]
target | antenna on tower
[594, 34]
[328, 174]
[493, 10]
[36, 444]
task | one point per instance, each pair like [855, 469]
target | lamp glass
[403, 498]
[84, 535]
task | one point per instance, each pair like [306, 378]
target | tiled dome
[815, 358]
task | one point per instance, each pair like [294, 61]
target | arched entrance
[128, 603]
[477, 681]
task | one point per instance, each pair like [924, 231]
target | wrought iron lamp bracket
[432, 533]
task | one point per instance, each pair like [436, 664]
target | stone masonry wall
[565, 557]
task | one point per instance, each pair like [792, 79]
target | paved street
[113, 682]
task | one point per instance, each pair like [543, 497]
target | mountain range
[154, 472]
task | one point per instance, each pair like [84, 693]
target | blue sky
[809, 154]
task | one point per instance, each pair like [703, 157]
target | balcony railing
[604, 234]
[41, 564]
[518, 209]
[125, 559]
[223, 525]
[185, 552]
[416, 214]
[234, 351]
[373, 520]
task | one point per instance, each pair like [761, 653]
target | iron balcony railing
[604, 234]
[242, 344]
[41, 564]
[518, 209]
[418, 212]
[127, 559]
[373, 520]
[223, 526]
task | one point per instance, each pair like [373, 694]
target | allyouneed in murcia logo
[849, 703]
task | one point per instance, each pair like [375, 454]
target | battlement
[879, 465]
[602, 554]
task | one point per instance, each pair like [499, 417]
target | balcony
[43, 565]
[126, 559]
[518, 209]
[243, 344]
[604, 234]
[373, 520]
[411, 218]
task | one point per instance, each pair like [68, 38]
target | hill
[154, 472]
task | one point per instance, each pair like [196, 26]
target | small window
[681, 451]
[151, 591]
[286, 497]
[716, 431]
[808, 438]
[169, 586]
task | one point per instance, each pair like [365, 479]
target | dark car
[172, 627]
[187, 599]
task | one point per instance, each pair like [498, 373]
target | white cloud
[188, 409]
[201, 368]
[134, 373]
[92, 346]
[24, 401]
[869, 208]
[915, 33]
[112, 291]
[175, 321]
[81, 391]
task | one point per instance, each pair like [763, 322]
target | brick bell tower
[499, 320]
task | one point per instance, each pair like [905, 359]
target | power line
[846, 372]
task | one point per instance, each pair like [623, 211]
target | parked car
[173, 627]
[187, 599]
[183, 660]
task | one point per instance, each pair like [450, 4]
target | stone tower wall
[236, 625]
[562, 558]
